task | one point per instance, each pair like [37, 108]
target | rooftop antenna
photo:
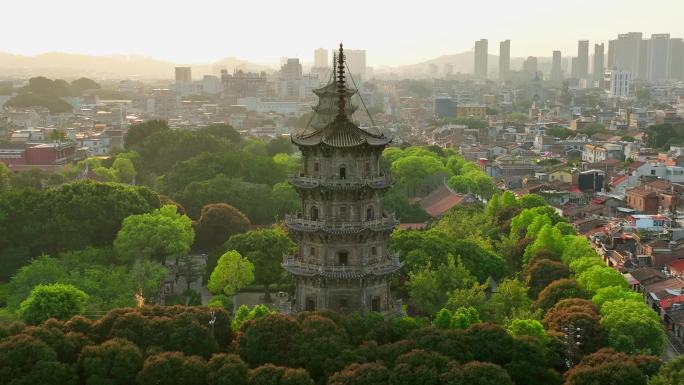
[341, 88]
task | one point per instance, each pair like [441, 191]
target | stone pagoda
[343, 263]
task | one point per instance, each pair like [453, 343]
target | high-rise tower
[599, 67]
[343, 261]
[481, 52]
[580, 67]
[504, 59]
[556, 67]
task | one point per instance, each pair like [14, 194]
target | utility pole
[212, 321]
[572, 342]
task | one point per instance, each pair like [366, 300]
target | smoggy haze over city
[394, 33]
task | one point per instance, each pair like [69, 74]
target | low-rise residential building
[477, 111]
[649, 222]
[43, 154]
[594, 153]
[643, 200]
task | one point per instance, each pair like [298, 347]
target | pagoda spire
[341, 87]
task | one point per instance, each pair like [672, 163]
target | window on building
[316, 168]
[343, 212]
[310, 304]
[343, 258]
[374, 251]
[369, 213]
[312, 252]
[344, 303]
[652, 172]
[368, 170]
[343, 172]
[314, 213]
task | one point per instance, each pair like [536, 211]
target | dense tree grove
[491, 291]
[81, 214]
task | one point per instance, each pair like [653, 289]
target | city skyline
[417, 33]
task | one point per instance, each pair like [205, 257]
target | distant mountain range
[69, 66]
[463, 62]
[66, 65]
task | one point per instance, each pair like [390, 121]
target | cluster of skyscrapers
[660, 58]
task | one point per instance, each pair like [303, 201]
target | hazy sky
[393, 32]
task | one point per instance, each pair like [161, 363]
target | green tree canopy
[4, 177]
[429, 288]
[598, 277]
[52, 301]
[527, 327]
[613, 293]
[161, 234]
[232, 273]
[125, 171]
[632, 327]
[265, 249]
[671, 373]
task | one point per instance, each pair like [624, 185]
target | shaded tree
[361, 374]
[269, 374]
[418, 367]
[578, 313]
[83, 84]
[217, 222]
[227, 369]
[476, 373]
[542, 272]
[265, 249]
[269, 339]
[173, 368]
[139, 132]
[559, 290]
[114, 362]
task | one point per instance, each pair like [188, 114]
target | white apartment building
[620, 83]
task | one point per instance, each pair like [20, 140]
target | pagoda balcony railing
[387, 265]
[306, 181]
[297, 222]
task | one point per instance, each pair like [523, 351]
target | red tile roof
[616, 181]
[635, 165]
[440, 201]
[677, 265]
[667, 303]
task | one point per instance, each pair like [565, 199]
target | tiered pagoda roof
[340, 131]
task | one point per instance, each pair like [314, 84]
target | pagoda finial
[341, 88]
